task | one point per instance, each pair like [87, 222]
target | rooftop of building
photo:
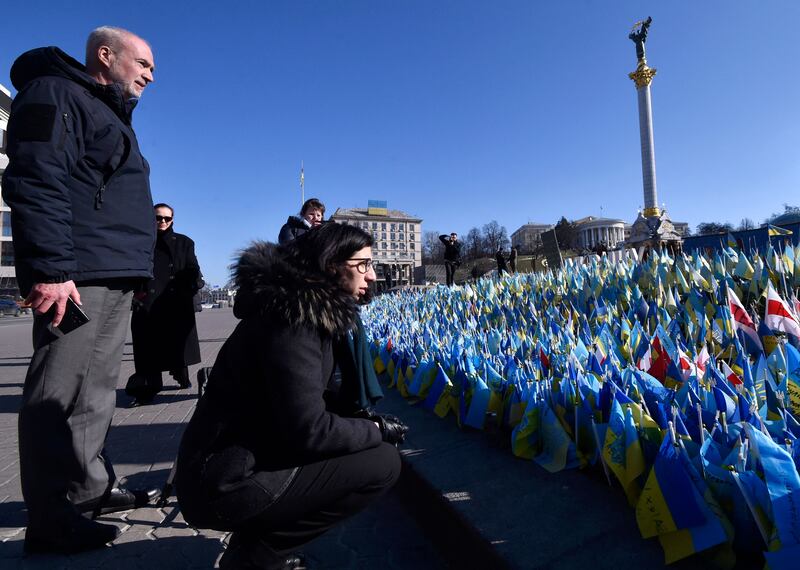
[596, 220]
[363, 213]
[533, 226]
[791, 217]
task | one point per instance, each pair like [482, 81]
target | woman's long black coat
[163, 325]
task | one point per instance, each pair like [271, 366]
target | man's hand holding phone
[44, 296]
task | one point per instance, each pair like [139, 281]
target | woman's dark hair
[324, 249]
[312, 204]
[163, 205]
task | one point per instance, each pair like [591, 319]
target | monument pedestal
[653, 231]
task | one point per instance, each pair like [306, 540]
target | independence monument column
[643, 76]
[652, 227]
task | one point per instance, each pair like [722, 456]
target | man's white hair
[109, 36]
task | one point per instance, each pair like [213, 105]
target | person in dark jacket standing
[452, 256]
[311, 215]
[512, 260]
[163, 324]
[264, 456]
[501, 262]
[82, 227]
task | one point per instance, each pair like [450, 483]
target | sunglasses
[164, 219]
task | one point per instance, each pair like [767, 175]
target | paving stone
[212, 534]
[197, 548]
[8, 533]
[145, 515]
[134, 533]
[173, 531]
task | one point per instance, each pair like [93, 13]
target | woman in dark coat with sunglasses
[268, 455]
[163, 324]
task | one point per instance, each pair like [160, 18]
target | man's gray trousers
[68, 402]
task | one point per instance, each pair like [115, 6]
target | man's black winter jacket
[77, 184]
[452, 250]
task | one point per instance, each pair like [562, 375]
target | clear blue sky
[456, 111]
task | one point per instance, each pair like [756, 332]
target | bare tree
[495, 236]
[432, 248]
[746, 224]
[473, 244]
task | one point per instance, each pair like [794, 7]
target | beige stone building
[529, 237]
[397, 235]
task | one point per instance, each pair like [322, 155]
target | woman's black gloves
[392, 429]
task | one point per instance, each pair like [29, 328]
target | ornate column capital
[643, 75]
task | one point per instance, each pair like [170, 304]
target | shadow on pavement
[22, 361]
[163, 552]
[12, 514]
[163, 397]
[144, 444]
[10, 403]
[143, 479]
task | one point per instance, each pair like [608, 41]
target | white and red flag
[702, 359]
[779, 316]
[730, 375]
[741, 320]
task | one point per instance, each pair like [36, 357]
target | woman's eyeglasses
[364, 264]
[167, 219]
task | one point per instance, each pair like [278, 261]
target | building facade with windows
[529, 237]
[398, 240]
[681, 228]
[8, 280]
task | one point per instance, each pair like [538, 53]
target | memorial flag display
[678, 375]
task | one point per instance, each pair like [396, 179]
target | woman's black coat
[163, 324]
[264, 414]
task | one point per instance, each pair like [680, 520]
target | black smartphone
[73, 317]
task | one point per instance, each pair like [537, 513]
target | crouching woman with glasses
[267, 454]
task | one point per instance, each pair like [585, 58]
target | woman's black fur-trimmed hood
[270, 286]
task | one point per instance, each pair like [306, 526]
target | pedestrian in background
[311, 215]
[512, 260]
[501, 262]
[452, 256]
[387, 273]
[266, 455]
[163, 324]
[82, 225]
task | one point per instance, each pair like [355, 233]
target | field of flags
[678, 376]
